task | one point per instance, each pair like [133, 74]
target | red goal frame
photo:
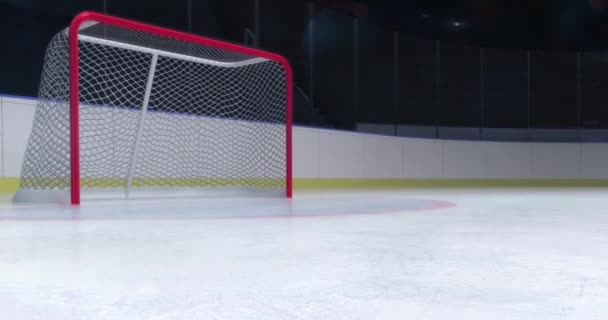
[143, 27]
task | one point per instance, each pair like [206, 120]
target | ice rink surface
[398, 254]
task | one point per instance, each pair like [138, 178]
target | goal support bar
[142, 118]
[74, 99]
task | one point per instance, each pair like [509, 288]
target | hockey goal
[126, 108]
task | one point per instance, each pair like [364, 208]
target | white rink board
[163, 143]
[321, 153]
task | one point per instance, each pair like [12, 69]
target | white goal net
[156, 113]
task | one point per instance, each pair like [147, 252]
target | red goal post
[138, 26]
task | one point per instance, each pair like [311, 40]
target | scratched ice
[400, 254]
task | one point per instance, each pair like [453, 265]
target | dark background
[534, 64]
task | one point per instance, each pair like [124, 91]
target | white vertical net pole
[142, 118]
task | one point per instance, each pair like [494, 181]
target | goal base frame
[58, 196]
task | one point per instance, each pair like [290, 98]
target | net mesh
[158, 112]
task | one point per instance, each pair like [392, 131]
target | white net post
[144, 109]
